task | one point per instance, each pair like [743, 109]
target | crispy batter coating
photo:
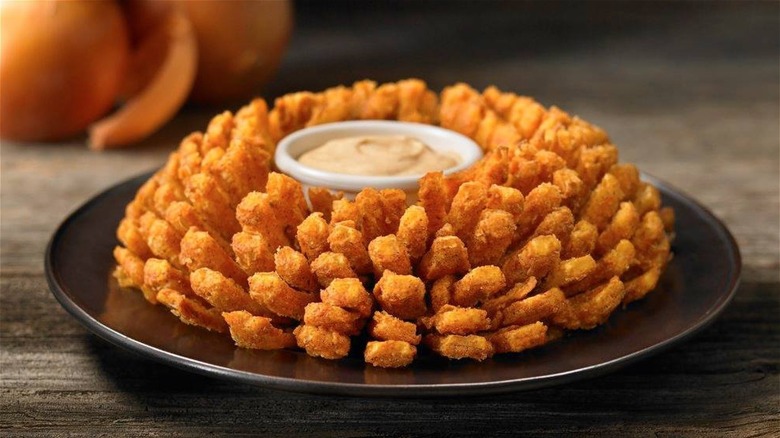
[491, 237]
[312, 236]
[515, 339]
[387, 253]
[252, 252]
[332, 318]
[413, 232]
[453, 320]
[478, 285]
[192, 311]
[348, 293]
[532, 309]
[268, 289]
[460, 347]
[321, 342]
[386, 327]
[200, 250]
[446, 256]
[402, 296]
[294, 269]
[349, 241]
[591, 308]
[256, 332]
[223, 293]
[535, 259]
[546, 233]
[330, 266]
[390, 353]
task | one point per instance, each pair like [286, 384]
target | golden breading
[594, 162]
[252, 253]
[508, 199]
[242, 168]
[650, 242]
[130, 268]
[515, 339]
[614, 263]
[163, 240]
[312, 236]
[160, 274]
[322, 200]
[646, 199]
[268, 289]
[460, 347]
[344, 210]
[182, 216]
[222, 293]
[332, 318]
[559, 223]
[582, 240]
[639, 286]
[467, 205]
[622, 226]
[330, 266]
[257, 214]
[568, 271]
[538, 204]
[389, 354]
[603, 202]
[256, 332]
[516, 293]
[388, 253]
[386, 327]
[349, 241]
[192, 311]
[446, 256]
[453, 320]
[348, 293]
[491, 237]
[402, 296]
[413, 232]
[287, 201]
[532, 309]
[434, 199]
[591, 308]
[546, 233]
[535, 259]
[478, 285]
[628, 177]
[294, 269]
[132, 239]
[320, 342]
[379, 211]
[416, 103]
[200, 250]
[441, 292]
[572, 188]
[212, 204]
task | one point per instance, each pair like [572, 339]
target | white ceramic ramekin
[291, 147]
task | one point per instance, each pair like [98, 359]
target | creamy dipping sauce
[380, 155]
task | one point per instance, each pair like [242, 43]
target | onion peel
[161, 99]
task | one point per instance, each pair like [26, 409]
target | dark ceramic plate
[698, 284]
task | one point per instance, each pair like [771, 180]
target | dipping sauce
[377, 155]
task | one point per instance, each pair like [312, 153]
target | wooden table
[688, 91]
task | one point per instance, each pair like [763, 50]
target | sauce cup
[439, 139]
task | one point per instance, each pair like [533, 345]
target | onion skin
[240, 46]
[162, 97]
[61, 66]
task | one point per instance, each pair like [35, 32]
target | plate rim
[142, 349]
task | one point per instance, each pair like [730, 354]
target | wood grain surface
[688, 91]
